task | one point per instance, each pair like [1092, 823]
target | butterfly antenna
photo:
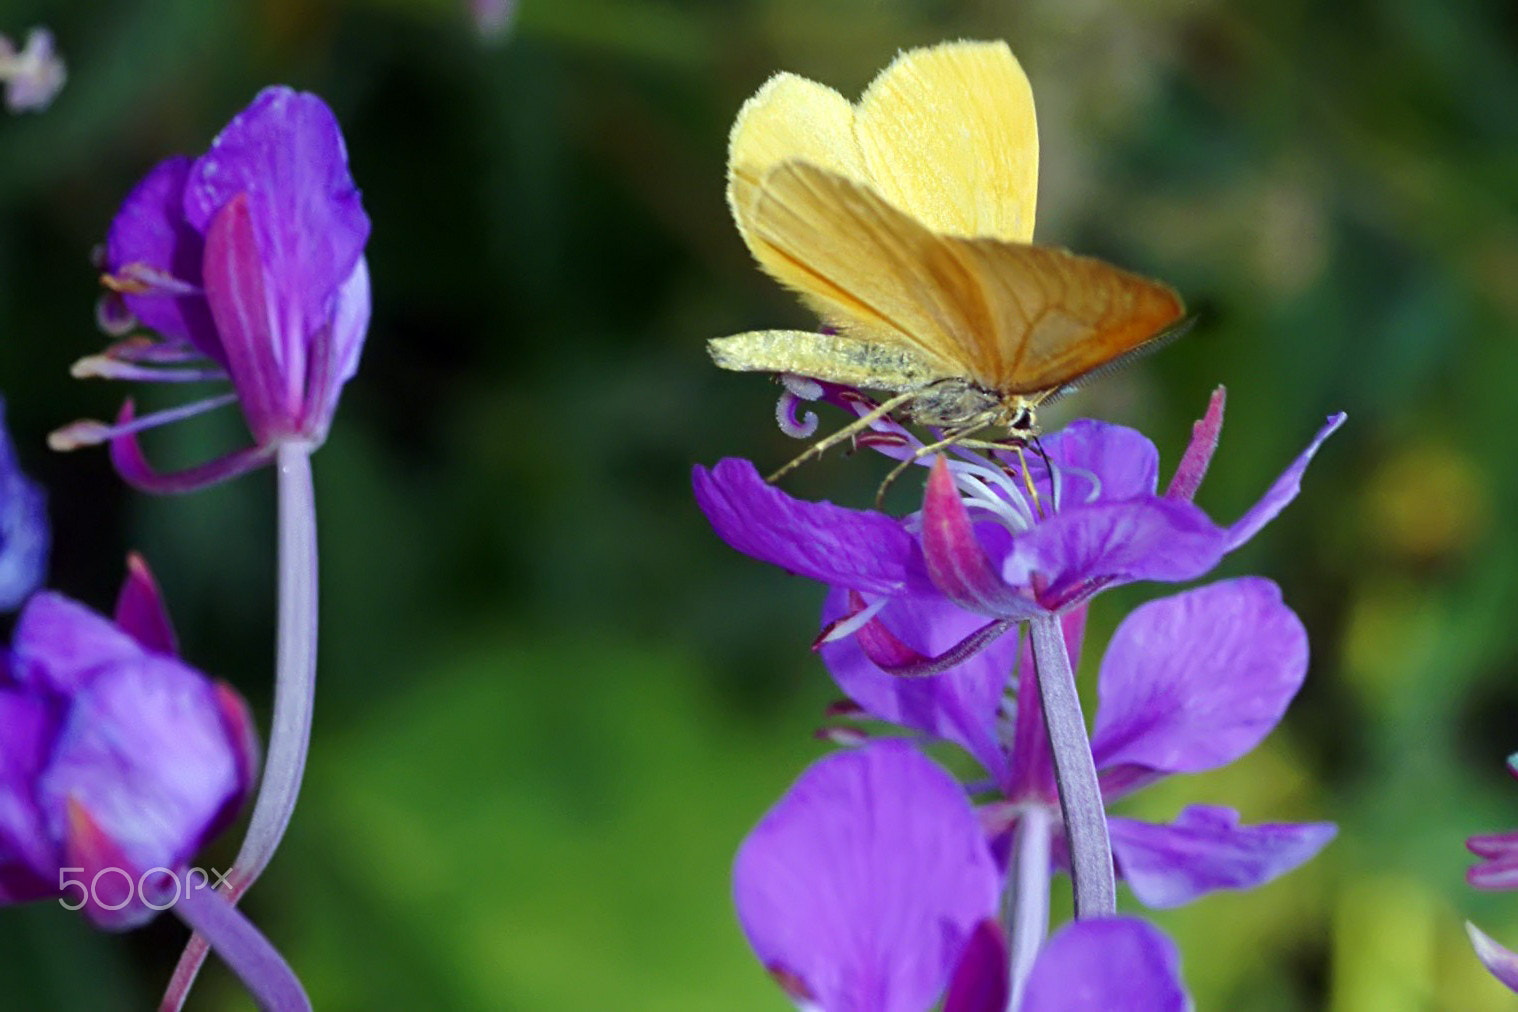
[863, 422]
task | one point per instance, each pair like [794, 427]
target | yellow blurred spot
[1384, 946]
[1427, 502]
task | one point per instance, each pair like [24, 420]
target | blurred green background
[551, 701]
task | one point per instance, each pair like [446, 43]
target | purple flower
[1189, 683]
[860, 889]
[118, 761]
[24, 535]
[32, 76]
[869, 886]
[1498, 870]
[249, 264]
[985, 545]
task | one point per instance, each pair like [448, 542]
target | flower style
[1498, 870]
[34, 75]
[248, 262]
[24, 532]
[118, 762]
[986, 547]
[870, 886]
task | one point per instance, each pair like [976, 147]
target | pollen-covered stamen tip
[89, 432]
[107, 366]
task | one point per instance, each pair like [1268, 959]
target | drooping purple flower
[1189, 683]
[32, 76]
[248, 263]
[118, 761]
[24, 531]
[1497, 870]
[860, 889]
[985, 544]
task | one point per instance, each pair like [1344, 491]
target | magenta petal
[1205, 849]
[261, 370]
[981, 980]
[861, 550]
[27, 857]
[1081, 550]
[1124, 460]
[128, 459]
[1114, 964]
[1499, 869]
[285, 150]
[960, 705]
[1204, 442]
[1501, 962]
[140, 611]
[60, 645]
[865, 881]
[144, 749]
[1193, 681]
[150, 230]
[1282, 492]
[956, 560]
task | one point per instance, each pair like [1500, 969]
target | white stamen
[89, 432]
[854, 623]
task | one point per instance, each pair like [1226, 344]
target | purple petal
[145, 751]
[1499, 869]
[59, 645]
[267, 381]
[1206, 849]
[336, 350]
[150, 230]
[1502, 963]
[863, 884]
[1282, 492]
[1124, 462]
[1193, 681]
[140, 611]
[981, 979]
[861, 550]
[1204, 443]
[1083, 549]
[956, 560]
[1115, 964]
[24, 533]
[128, 459]
[285, 151]
[25, 851]
[961, 705]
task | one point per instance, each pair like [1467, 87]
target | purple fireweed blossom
[1000, 541]
[982, 543]
[118, 761]
[1498, 870]
[870, 886]
[33, 76]
[24, 531]
[248, 263]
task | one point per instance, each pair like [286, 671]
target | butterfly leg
[955, 438]
[853, 428]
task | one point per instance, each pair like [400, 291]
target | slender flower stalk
[1080, 793]
[294, 697]
[1027, 913]
[257, 964]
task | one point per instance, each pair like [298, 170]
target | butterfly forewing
[1008, 316]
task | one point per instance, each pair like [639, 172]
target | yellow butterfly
[905, 221]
